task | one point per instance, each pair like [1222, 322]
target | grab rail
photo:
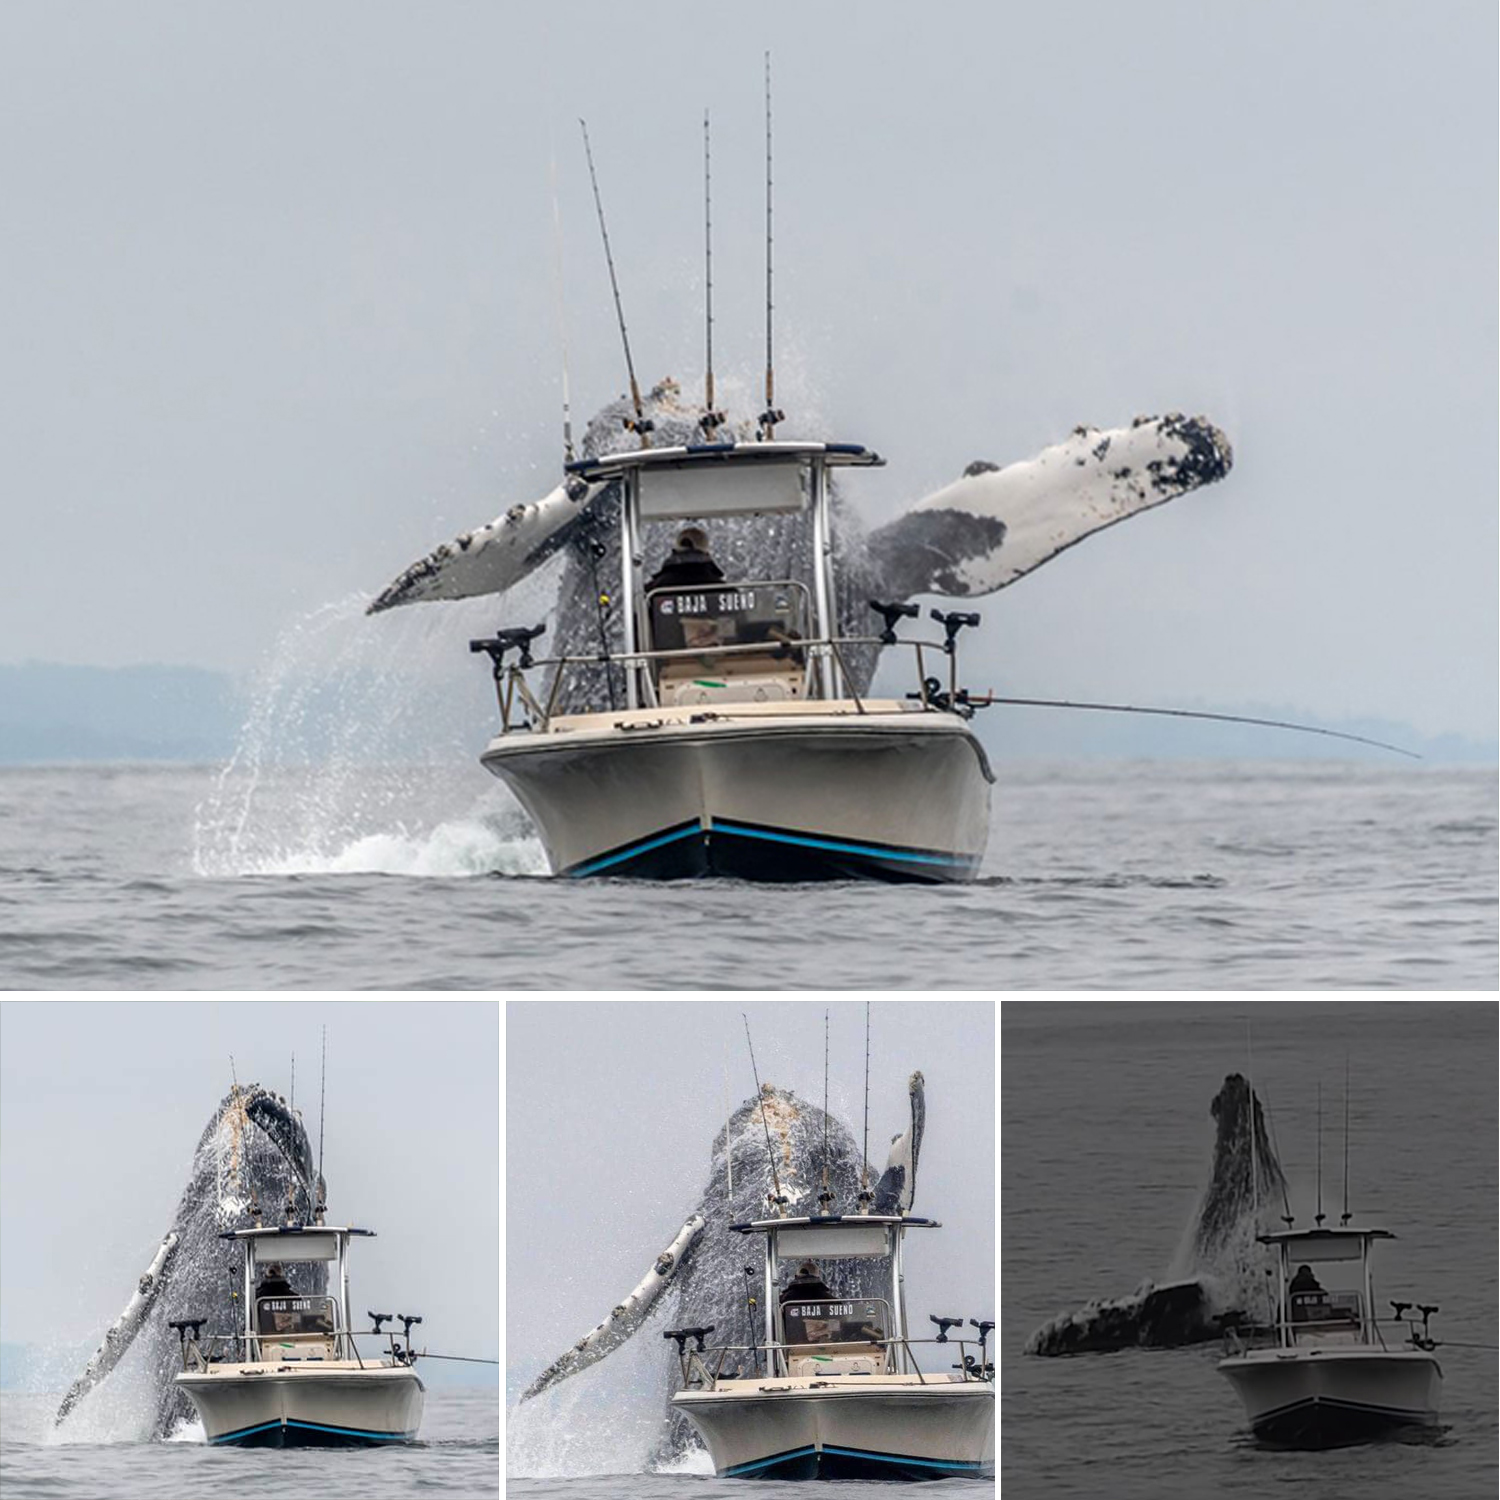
[522, 711]
[690, 1359]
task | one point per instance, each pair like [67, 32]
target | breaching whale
[701, 1264]
[253, 1151]
[1184, 1311]
[980, 533]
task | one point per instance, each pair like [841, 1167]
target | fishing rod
[1319, 1216]
[778, 1200]
[994, 699]
[825, 1197]
[562, 327]
[1345, 1216]
[770, 416]
[1287, 1216]
[712, 419]
[640, 426]
[322, 1100]
[865, 1195]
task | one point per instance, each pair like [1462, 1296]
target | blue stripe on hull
[293, 1433]
[851, 1463]
[748, 851]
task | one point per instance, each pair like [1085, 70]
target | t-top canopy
[701, 455]
[839, 1236]
[1324, 1244]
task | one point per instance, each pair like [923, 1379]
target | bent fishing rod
[991, 700]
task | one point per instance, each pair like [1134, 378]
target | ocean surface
[1127, 875]
[459, 1455]
[1106, 1144]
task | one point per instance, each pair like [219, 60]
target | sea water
[458, 1455]
[1106, 1143]
[335, 871]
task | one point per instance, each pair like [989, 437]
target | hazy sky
[611, 1111]
[102, 1104]
[278, 308]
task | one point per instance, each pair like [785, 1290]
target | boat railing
[522, 710]
[700, 1372]
[240, 1348]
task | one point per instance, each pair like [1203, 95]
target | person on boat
[275, 1285]
[806, 1286]
[1305, 1281]
[688, 563]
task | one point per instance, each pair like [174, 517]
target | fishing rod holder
[502, 642]
[952, 622]
[944, 1324]
[890, 613]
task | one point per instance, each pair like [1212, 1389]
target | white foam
[463, 846]
[358, 755]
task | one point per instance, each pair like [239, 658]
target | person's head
[691, 539]
[808, 1271]
[274, 1272]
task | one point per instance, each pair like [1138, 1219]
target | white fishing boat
[836, 1390]
[1320, 1374]
[295, 1376]
[739, 744]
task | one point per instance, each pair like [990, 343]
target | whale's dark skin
[1184, 1312]
[254, 1148]
[708, 1278]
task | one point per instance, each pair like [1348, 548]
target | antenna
[770, 416]
[322, 1095]
[825, 1197]
[1345, 1216]
[864, 1149]
[711, 419]
[778, 1200]
[641, 427]
[292, 1102]
[1254, 1162]
[1286, 1217]
[1319, 1216]
[562, 327]
[728, 1154]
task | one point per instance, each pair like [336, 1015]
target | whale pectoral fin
[121, 1333]
[995, 525]
[490, 559]
[898, 1183]
[627, 1316]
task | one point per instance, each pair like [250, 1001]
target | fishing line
[990, 699]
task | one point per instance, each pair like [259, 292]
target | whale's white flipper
[626, 1317]
[995, 525]
[124, 1328]
[491, 558]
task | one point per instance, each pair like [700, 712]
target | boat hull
[1325, 1399]
[258, 1406]
[771, 796]
[880, 1431]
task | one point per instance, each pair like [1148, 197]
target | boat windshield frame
[285, 1239]
[1323, 1247]
[812, 459]
[894, 1228]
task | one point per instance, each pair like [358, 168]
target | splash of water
[358, 753]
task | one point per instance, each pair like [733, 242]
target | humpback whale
[1220, 1246]
[980, 533]
[701, 1263]
[253, 1151]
